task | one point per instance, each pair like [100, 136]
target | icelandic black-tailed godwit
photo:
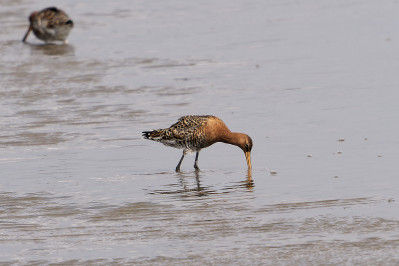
[49, 25]
[195, 132]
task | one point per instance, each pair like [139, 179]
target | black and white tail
[152, 135]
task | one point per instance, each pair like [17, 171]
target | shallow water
[313, 83]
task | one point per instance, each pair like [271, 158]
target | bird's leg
[196, 161]
[181, 160]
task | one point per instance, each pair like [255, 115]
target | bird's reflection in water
[247, 183]
[186, 187]
[199, 191]
[52, 49]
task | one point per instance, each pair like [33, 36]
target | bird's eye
[246, 146]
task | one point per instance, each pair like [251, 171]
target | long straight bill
[248, 157]
[27, 33]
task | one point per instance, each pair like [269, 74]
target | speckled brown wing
[187, 133]
[53, 17]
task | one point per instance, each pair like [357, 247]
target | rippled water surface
[314, 83]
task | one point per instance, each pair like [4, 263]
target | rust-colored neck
[219, 132]
[240, 140]
[231, 137]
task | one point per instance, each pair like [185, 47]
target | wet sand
[313, 83]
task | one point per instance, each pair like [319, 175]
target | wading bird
[195, 132]
[49, 25]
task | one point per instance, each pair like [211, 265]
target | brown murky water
[314, 84]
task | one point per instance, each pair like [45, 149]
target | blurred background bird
[49, 25]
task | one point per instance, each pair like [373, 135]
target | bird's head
[245, 143]
[33, 16]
